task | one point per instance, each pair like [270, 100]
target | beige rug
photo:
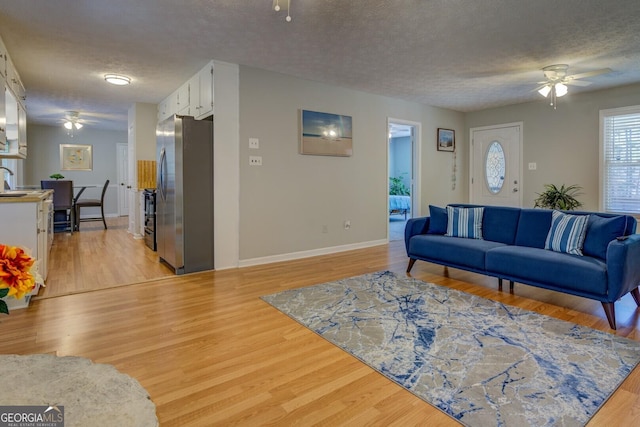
[89, 394]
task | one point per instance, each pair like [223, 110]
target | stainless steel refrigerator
[184, 196]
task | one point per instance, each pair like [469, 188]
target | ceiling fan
[557, 81]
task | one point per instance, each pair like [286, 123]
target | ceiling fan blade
[589, 74]
[577, 83]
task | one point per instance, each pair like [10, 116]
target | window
[495, 167]
[620, 160]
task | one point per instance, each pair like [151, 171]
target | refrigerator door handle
[163, 184]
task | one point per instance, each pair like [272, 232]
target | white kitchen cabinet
[3, 118]
[202, 92]
[26, 224]
[13, 115]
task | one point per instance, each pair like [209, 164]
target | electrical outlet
[254, 143]
[255, 160]
[347, 225]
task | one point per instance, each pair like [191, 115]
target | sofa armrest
[623, 266]
[414, 227]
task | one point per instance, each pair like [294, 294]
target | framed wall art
[325, 134]
[446, 140]
[75, 157]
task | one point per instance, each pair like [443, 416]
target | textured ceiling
[463, 55]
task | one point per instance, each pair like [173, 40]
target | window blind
[621, 166]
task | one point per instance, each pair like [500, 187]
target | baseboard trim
[310, 253]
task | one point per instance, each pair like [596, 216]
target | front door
[496, 165]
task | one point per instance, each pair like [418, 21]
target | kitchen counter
[24, 196]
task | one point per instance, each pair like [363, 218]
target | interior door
[496, 165]
[122, 156]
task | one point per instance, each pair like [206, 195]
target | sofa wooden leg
[500, 284]
[636, 296]
[410, 266]
[511, 286]
[610, 311]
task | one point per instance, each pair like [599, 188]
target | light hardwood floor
[95, 258]
[210, 352]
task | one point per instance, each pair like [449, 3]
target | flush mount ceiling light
[117, 79]
[276, 7]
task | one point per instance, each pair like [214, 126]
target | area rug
[480, 361]
[81, 392]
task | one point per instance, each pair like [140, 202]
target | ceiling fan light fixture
[68, 125]
[544, 91]
[78, 125]
[117, 79]
[561, 89]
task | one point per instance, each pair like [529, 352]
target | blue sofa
[512, 246]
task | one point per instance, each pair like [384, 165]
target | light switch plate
[254, 143]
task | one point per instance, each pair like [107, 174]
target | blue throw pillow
[567, 233]
[438, 220]
[601, 231]
[464, 222]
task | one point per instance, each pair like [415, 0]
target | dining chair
[63, 209]
[91, 203]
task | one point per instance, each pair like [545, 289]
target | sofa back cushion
[533, 227]
[500, 224]
[600, 231]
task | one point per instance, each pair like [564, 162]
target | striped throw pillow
[464, 222]
[566, 233]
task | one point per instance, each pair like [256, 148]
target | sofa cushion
[586, 275]
[464, 222]
[533, 227]
[438, 220]
[467, 253]
[601, 231]
[500, 223]
[566, 233]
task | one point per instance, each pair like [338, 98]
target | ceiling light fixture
[556, 90]
[71, 122]
[117, 79]
[276, 7]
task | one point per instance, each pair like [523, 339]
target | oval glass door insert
[494, 167]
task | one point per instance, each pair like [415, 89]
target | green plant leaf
[3, 307]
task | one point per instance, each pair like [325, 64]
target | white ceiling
[463, 55]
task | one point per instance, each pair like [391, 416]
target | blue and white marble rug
[482, 362]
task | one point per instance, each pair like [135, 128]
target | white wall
[564, 143]
[286, 203]
[43, 160]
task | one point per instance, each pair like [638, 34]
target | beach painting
[325, 134]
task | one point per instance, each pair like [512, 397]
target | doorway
[496, 165]
[403, 199]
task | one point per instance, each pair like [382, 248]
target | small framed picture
[75, 157]
[446, 140]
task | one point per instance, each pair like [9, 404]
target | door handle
[515, 190]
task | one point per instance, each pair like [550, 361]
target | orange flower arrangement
[16, 278]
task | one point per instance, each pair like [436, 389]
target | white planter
[13, 304]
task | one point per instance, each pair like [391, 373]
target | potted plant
[56, 176]
[563, 198]
[397, 187]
